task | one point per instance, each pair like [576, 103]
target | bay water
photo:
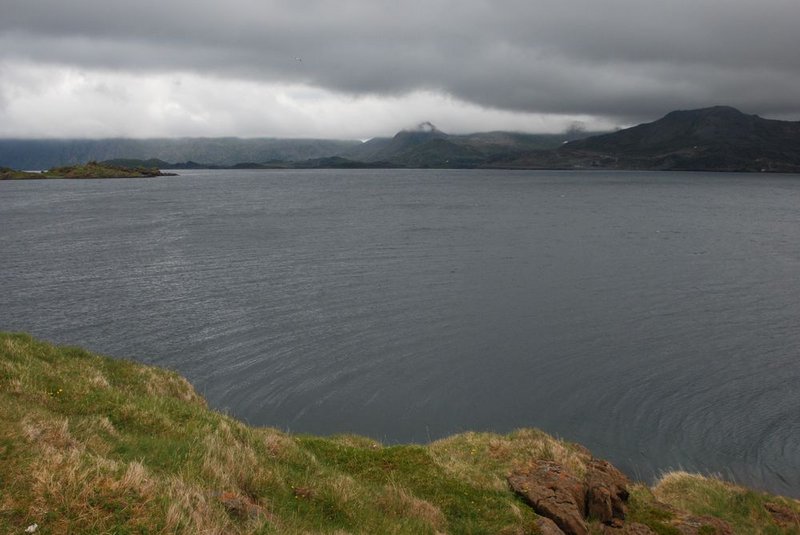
[652, 317]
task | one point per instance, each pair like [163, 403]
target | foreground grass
[90, 444]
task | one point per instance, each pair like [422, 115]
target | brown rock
[557, 494]
[783, 515]
[553, 493]
[545, 526]
[606, 491]
[598, 504]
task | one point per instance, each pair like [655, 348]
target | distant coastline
[718, 138]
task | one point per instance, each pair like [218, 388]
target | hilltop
[90, 444]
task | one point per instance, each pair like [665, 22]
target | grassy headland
[90, 444]
[88, 170]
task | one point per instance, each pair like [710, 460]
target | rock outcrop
[606, 492]
[554, 493]
[545, 526]
[569, 501]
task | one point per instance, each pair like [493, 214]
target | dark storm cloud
[627, 59]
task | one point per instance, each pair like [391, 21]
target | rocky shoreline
[568, 504]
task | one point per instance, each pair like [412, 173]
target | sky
[356, 69]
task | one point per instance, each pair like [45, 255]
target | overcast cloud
[91, 68]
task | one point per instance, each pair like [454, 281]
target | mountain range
[427, 146]
[719, 138]
[223, 152]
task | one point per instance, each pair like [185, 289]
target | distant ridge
[427, 146]
[423, 146]
[719, 138]
[720, 126]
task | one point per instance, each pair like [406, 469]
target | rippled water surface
[653, 317]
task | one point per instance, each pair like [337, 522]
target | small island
[88, 170]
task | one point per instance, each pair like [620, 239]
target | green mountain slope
[709, 139]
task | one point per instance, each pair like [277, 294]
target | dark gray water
[653, 317]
